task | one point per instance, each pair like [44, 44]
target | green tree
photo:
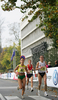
[47, 10]
[6, 58]
[5, 61]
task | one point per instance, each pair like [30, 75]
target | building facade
[33, 40]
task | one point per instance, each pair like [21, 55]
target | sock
[38, 90]
[45, 91]
[31, 88]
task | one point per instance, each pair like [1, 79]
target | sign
[52, 77]
[8, 75]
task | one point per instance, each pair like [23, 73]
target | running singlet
[30, 68]
[43, 65]
[21, 69]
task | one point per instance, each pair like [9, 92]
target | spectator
[46, 66]
[56, 63]
[49, 64]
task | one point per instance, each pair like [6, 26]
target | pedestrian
[21, 68]
[41, 67]
[56, 63]
[30, 74]
[49, 64]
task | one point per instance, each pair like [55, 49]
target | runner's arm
[16, 69]
[33, 68]
[26, 69]
[37, 66]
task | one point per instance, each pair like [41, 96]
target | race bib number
[21, 70]
[31, 71]
[43, 69]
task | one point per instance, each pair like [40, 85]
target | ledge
[33, 42]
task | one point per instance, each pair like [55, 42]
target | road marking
[1, 97]
[31, 97]
[17, 98]
[12, 98]
[8, 87]
[39, 98]
[15, 87]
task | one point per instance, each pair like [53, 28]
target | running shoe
[32, 90]
[38, 92]
[22, 97]
[45, 94]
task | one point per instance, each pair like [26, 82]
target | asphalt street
[8, 91]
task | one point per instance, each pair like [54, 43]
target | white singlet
[43, 65]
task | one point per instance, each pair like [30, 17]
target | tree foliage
[5, 57]
[47, 10]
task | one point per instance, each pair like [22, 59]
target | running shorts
[42, 74]
[29, 75]
[21, 77]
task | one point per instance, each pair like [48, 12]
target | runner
[30, 74]
[41, 67]
[21, 74]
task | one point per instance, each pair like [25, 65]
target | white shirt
[43, 64]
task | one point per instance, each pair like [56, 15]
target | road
[8, 91]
